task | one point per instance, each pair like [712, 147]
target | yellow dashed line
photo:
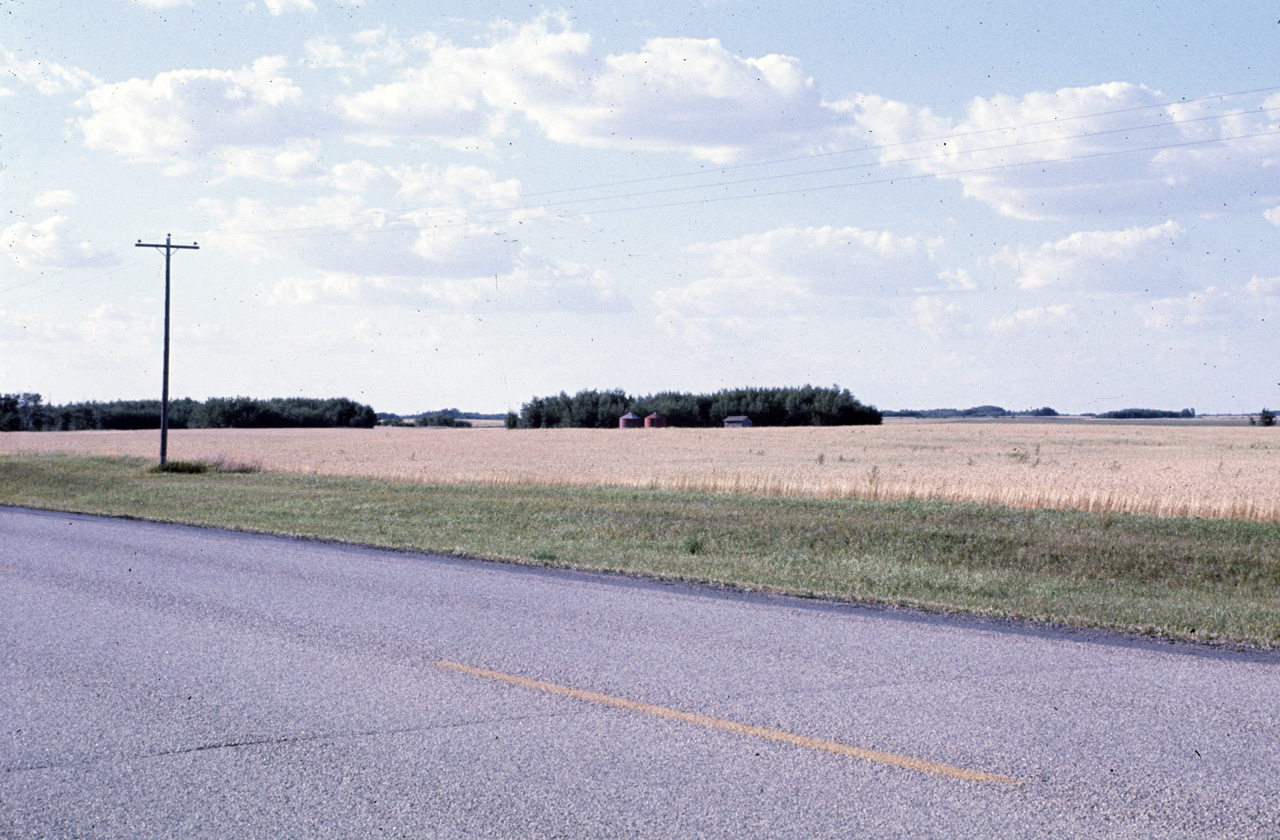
[735, 727]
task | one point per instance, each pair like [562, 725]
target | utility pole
[169, 248]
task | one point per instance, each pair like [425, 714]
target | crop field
[1228, 471]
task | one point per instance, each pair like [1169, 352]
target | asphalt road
[162, 681]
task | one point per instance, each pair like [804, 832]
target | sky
[421, 205]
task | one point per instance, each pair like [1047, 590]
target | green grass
[202, 467]
[1189, 578]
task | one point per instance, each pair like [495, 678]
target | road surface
[164, 681]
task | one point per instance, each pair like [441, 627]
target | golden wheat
[1220, 471]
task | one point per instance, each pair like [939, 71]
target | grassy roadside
[1190, 578]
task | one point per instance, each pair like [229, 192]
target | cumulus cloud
[117, 327]
[1192, 310]
[951, 280]
[339, 233]
[532, 284]
[186, 113]
[1263, 285]
[1036, 317]
[56, 198]
[1113, 147]
[51, 244]
[46, 77]
[444, 185]
[1122, 260]
[467, 226]
[280, 7]
[296, 160]
[373, 48]
[800, 270]
[332, 287]
[676, 94]
[934, 314]
[1273, 216]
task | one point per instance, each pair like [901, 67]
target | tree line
[28, 412]
[807, 406]
[1147, 414]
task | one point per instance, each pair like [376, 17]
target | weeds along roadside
[1174, 576]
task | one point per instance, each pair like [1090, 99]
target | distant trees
[449, 418]
[25, 412]
[1147, 414]
[807, 406]
[1265, 418]
[584, 410]
[976, 411]
[20, 412]
[281, 413]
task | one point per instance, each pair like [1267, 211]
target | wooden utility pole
[169, 248]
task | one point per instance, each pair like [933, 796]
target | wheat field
[1218, 471]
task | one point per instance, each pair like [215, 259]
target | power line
[928, 175]
[61, 271]
[321, 228]
[526, 204]
[944, 138]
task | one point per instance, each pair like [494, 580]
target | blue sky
[423, 205]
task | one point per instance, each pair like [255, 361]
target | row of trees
[27, 412]
[807, 406]
[976, 411]
[1147, 414]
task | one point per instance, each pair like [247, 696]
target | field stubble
[1208, 471]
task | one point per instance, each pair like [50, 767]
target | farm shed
[655, 421]
[630, 420]
[739, 421]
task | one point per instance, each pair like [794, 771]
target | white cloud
[51, 244]
[952, 280]
[1113, 147]
[46, 77]
[440, 101]
[1263, 285]
[327, 287]
[1191, 310]
[1034, 317]
[685, 95]
[791, 270]
[325, 51]
[185, 113]
[934, 314]
[109, 325]
[357, 176]
[1273, 216]
[677, 94]
[457, 235]
[532, 284]
[445, 185]
[1136, 258]
[297, 160]
[340, 233]
[280, 7]
[374, 49]
[117, 327]
[56, 198]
